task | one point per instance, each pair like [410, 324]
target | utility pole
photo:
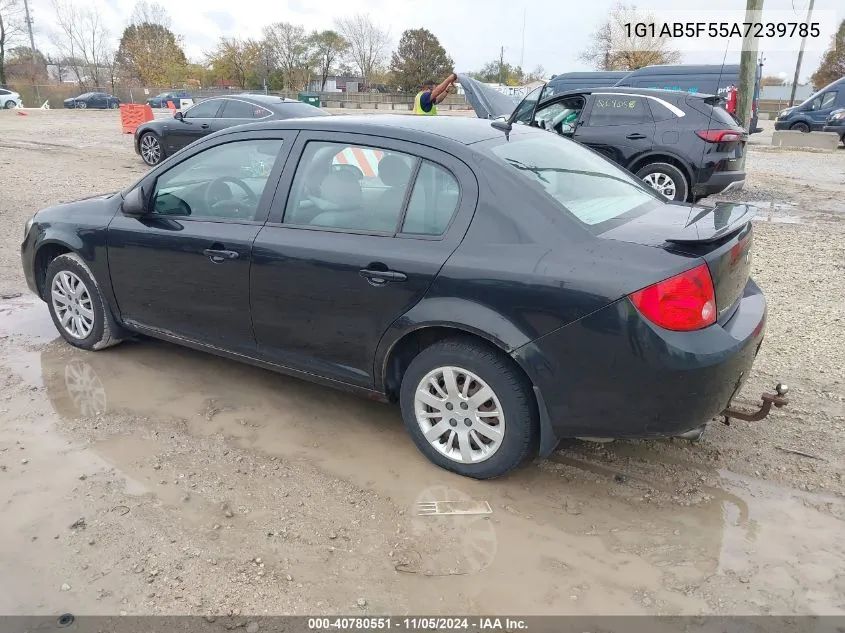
[522, 54]
[748, 66]
[800, 57]
[31, 48]
[501, 65]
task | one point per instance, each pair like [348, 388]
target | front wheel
[76, 305]
[81, 105]
[114, 105]
[468, 409]
[800, 127]
[151, 150]
[665, 179]
[9, 104]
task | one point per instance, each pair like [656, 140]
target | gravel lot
[150, 479]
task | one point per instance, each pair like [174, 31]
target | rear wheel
[114, 105]
[151, 149]
[77, 307]
[800, 127]
[469, 409]
[9, 104]
[665, 179]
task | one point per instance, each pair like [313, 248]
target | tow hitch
[778, 400]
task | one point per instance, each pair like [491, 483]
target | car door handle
[219, 255]
[636, 136]
[204, 126]
[381, 277]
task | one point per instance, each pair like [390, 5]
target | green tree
[237, 60]
[152, 55]
[832, 66]
[22, 64]
[418, 58]
[328, 47]
[494, 72]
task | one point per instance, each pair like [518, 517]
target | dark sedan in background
[836, 123]
[156, 140]
[160, 100]
[99, 100]
[507, 288]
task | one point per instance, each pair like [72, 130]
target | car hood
[487, 102]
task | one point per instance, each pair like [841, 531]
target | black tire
[800, 126]
[151, 137]
[114, 105]
[104, 331]
[661, 171]
[9, 104]
[510, 387]
[82, 105]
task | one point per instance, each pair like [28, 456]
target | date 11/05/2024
[757, 30]
[416, 624]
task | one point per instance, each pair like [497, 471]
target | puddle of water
[562, 519]
[26, 316]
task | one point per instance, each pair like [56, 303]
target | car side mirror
[178, 116]
[134, 203]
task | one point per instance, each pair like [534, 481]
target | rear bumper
[613, 374]
[719, 182]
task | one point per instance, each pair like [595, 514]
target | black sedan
[507, 287]
[161, 100]
[100, 100]
[158, 139]
[836, 123]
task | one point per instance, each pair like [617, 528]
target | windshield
[583, 183]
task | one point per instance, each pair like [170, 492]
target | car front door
[184, 267]
[358, 231]
[198, 121]
[619, 126]
[820, 109]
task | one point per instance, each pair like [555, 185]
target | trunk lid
[487, 102]
[722, 236]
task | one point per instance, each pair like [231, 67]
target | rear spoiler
[705, 231]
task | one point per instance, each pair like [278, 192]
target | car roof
[685, 69]
[628, 90]
[460, 129]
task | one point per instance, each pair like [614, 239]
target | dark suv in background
[685, 145]
[160, 100]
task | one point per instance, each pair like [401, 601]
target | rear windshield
[296, 110]
[592, 189]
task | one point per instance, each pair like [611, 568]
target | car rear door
[184, 268]
[198, 121]
[617, 125]
[357, 233]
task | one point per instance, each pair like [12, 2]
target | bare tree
[290, 49]
[11, 26]
[613, 49]
[368, 43]
[150, 13]
[82, 38]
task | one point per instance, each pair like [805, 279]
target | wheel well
[663, 158]
[410, 345]
[45, 255]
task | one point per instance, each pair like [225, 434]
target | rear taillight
[681, 303]
[718, 136]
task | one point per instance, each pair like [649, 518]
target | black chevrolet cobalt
[507, 287]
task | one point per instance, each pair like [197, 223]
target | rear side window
[580, 182]
[434, 198]
[618, 110]
[235, 109]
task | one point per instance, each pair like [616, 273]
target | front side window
[204, 110]
[583, 184]
[825, 101]
[524, 109]
[611, 110]
[559, 116]
[223, 182]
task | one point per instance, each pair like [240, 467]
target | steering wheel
[219, 196]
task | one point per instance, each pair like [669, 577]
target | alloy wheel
[150, 149]
[662, 183]
[459, 415]
[72, 304]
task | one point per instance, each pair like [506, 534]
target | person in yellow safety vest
[427, 99]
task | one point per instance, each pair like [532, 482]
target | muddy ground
[149, 479]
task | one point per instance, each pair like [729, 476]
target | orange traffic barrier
[132, 115]
[172, 107]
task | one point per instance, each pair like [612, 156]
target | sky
[471, 31]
